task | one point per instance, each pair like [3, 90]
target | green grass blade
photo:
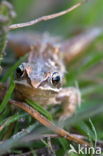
[64, 143]
[94, 131]
[7, 97]
[6, 122]
[40, 109]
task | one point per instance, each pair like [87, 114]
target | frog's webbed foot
[70, 98]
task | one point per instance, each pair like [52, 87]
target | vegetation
[19, 132]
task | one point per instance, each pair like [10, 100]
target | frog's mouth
[24, 83]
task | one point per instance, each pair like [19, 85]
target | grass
[40, 109]
[85, 71]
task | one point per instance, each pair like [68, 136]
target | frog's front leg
[70, 98]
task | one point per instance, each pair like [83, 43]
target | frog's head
[42, 75]
[38, 76]
[44, 69]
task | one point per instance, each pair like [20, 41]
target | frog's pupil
[19, 72]
[56, 79]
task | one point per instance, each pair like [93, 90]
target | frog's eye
[19, 71]
[56, 78]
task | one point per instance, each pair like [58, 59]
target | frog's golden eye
[56, 78]
[19, 71]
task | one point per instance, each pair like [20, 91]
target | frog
[41, 78]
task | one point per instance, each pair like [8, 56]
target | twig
[37, 137]
[47, 123]
[44, 18]
[33, 137]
